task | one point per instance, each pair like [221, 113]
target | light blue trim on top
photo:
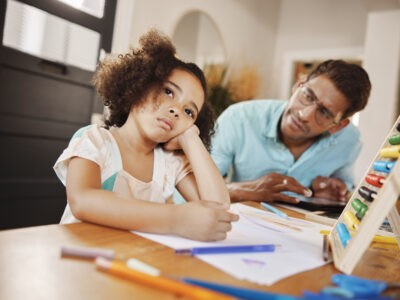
[80, 132]
[108, 184]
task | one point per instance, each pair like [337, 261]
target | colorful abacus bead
[383, 166]
[394, 139]
[390, 152]
[343, 234]
[351, 220]
[375, 180]
[359, 207]
[367, 193]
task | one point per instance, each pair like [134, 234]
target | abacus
[373, 200]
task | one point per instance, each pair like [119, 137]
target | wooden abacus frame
[384, 205]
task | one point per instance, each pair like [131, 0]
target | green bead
[394, 139]
[362, 210]
[356, 203]
[359, 207]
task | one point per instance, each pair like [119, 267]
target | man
[306, 146]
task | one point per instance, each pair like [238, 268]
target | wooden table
[32, 267]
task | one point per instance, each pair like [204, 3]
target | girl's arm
[210, 184]
[88, 202]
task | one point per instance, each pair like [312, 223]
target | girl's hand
[177, 142]
[203, 220]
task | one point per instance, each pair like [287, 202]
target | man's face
[315, 107]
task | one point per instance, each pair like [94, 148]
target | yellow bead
[391, 152]
[351, 220]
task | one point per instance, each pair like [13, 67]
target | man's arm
[340, 184]
[267, 188]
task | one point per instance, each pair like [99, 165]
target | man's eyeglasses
[323, 116]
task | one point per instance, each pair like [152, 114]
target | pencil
[159, 282]
[325, 248]
[275, 210]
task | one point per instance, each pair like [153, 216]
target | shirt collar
[271, 128]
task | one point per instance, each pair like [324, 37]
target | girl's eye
[189, 112]
[168, 92]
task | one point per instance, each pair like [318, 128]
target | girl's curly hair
[123, 82]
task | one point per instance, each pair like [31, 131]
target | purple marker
[228, 249]
[87, 252]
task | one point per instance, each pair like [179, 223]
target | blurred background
[249, 49]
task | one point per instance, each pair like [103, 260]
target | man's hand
[267, 188]
[330, 188]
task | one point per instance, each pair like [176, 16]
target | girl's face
[168, 112]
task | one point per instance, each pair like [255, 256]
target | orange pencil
[159, 282]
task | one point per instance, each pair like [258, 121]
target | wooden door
[42, 103]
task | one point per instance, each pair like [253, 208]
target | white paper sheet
[300, 240]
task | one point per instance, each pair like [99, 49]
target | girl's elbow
[75, 204]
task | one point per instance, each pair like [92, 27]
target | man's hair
[123, 82]
[350, 79]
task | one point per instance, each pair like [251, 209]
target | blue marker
[238, 292]
[227, 249]
[275, 210]
[343, 233]
[383, 166]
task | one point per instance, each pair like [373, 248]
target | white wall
[382, 62]
[186, 39]
[209, 47]
[323, 28]
[248, 27]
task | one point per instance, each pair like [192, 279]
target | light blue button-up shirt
[247, 139]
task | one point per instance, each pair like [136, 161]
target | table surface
[32, 266]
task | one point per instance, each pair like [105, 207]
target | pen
[241, 293]
[275, 210]
[87, 252]
[227, 249]
[325, 248]
[159, 282]
[377, 238]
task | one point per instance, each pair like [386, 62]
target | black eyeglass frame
[321, 109]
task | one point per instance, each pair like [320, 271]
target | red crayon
[375, 180]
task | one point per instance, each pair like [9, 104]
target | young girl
[122, 175]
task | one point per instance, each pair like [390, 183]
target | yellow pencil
[159, 282]
[377, 238]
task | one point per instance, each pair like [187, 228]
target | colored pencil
[275, 210]
[159, 282]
